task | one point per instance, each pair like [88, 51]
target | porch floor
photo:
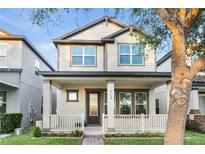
[93, 130]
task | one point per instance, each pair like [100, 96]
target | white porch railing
[66, 122]
[137, 123]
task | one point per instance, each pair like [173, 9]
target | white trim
[130, 104]
[6, 83]
[141, 104]
[83, 56]
[130, 54]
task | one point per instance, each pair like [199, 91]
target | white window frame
[141, 104]
[131, 53]
[131, 101]
[83, 56]
[6, 55]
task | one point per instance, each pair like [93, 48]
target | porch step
[93, 140]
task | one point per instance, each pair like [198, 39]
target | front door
[93, 110]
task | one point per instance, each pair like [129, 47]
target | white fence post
[103, 117]
[142, 116]
[82, 122]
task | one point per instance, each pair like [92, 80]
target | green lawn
[191, 138]
[26, 139]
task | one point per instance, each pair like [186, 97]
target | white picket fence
[137, 123]
[66, 122]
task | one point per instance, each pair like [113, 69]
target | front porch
[115, 103]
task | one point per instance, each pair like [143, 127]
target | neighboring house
[20, 83]
[197, 96]
[106, 76]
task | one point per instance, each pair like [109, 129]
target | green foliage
[192, 125]
[77, 133]
[137, 134]
[37, 132]
[52, 134]
[10, 121]
[191, 138]
[27, 139]
[61, 134]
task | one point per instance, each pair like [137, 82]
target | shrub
[61, 134]
[37, 132]
[52, 134]
[192, 125]
[77, 133]
[10, 121]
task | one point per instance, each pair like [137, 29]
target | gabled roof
[121, 31]
[5, 32]
[164, 58]
[111, 37]
[29, 44]
[80, 29]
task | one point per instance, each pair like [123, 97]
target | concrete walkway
[93, 140]
[4, 135]
[93, 136]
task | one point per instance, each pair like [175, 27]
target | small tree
[37, 132]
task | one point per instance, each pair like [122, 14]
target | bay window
[83, 55]
[131, 54]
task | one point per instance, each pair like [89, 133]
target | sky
[18, 21]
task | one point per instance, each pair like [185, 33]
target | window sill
[72, 101]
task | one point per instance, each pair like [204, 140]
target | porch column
[152, 105]
[47, 100]
[194, 102]
[110, 105]
[168, 87]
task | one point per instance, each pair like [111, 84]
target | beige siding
[14, 53]
[165, 66]
[112, 55]
[96, 32]
[65, 60]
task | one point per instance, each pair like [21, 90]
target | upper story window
[3, 55]
[83, 55]
[131, 54]
[37, 67]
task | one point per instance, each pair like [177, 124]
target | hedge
[10, 121]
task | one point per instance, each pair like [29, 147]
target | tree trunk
[179, 92]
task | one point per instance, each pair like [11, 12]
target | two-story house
[106, 76]
[21, 86]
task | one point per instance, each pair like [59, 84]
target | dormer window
[3, 54]
[83, 55]
[131, 54]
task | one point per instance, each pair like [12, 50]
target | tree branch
[197, 66]
[190, 18]
[169, 21]
[182, 15]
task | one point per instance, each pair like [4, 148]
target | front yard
[191, 138]
[27, 139]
